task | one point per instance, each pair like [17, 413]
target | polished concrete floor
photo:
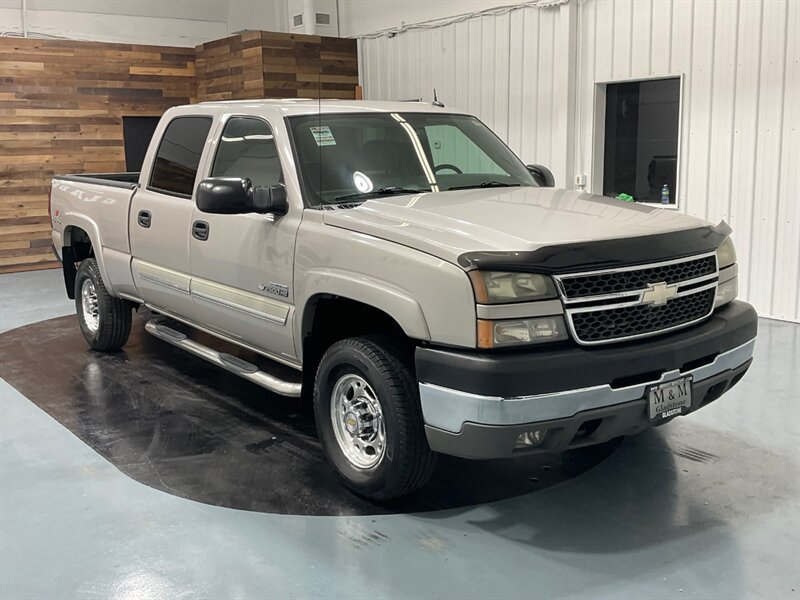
[705, 507]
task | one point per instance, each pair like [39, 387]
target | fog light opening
[532, 439]
[586, 429]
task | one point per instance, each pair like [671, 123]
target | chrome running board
[235, 365]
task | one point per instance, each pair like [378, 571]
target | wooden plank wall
[262, 64]
[230, 68]
[308, 66]
[62, 103]
[61, 109]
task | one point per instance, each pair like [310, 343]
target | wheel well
[328, 319]
[77, 247]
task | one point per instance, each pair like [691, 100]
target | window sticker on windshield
[323, 136]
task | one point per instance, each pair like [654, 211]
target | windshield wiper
[384, 191]
[483, 184]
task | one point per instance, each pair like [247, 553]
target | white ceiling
[192, 10]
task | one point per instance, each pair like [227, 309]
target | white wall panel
[196, 10]
[740, 112]
[267, 16]
[172, 22]
[641, 27]
[504, 69]
[786, 266]
[739, 124]
[358, 17]
[101, 27]
[769, 130]
[745, 126]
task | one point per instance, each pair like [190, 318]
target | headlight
[728, 285]
[499, 287]
[726, 292]
[726, 254]
[521, 332]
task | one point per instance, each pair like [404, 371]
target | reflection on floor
[706, 506]
[169, 420]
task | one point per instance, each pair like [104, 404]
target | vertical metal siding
[740, 113]
[504, 69]
[740, 128]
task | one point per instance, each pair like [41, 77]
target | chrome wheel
[357, 421]
[90, 306]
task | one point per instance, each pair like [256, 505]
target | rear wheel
[369, 418]
[105, 321]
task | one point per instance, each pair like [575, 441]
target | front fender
[392, 300]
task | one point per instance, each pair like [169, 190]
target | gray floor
[706, 507]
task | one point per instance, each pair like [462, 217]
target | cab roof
[311, 106]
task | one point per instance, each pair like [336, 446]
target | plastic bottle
[665, 194]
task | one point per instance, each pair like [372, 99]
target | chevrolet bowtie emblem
[659, 293]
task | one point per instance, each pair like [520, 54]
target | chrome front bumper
[449, 409]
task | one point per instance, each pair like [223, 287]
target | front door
[161, 216]
[242, 265]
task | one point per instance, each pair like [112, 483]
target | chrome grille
[630, 321]
[632, 302]
[595, 284]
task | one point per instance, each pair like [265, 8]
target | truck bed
[97, 204]
[120, 180]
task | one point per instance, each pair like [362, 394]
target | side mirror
[238, 196]
[270, 199]
[542, 175]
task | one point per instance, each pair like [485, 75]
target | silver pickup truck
[397, 263]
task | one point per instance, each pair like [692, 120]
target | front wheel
[369, 419]
[105, 321]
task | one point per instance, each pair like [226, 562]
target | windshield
[347, 158]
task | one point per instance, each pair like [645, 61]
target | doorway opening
[640, 141]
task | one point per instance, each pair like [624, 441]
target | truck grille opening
[632, 302]
[623, 281]
[636, 320]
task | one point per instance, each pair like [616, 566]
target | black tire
[114, 314]
[407, 461]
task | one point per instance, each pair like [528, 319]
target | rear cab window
[178, 156]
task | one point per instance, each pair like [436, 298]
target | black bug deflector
[602, 254]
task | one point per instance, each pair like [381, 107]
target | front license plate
[669, 399]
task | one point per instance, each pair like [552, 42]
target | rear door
[242, 265]
[161, 217]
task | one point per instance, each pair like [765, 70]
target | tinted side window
[247, 149]
[175, 167]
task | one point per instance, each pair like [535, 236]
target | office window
[641, 139]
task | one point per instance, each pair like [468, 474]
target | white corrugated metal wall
[533, 74]
[740, 113]
[489, 66]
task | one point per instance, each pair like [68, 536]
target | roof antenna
[436, 100]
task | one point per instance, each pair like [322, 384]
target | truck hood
[449, 224]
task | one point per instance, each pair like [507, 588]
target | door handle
[145, 218]
[200, 230]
